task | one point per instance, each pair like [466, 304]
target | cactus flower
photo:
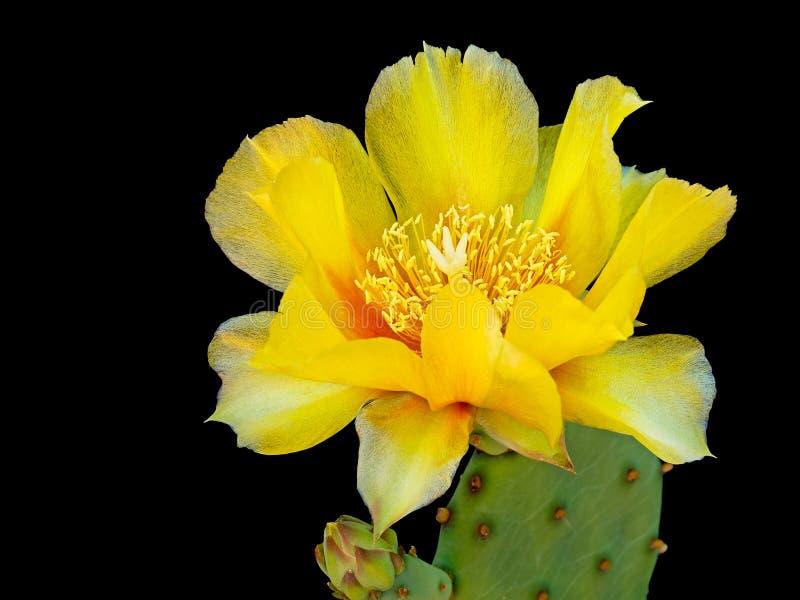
[490, 298]
[356, 562]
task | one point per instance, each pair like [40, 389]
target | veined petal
[583, 196]
[657, 388]
[548, 140]
[408, 454]
[248, 236]
[673, 229]
[237, 209]
[553, 326]
[461, 340]
[237, 339]
[273, 413]
[441, 132]
[521, 439]
[523, 389]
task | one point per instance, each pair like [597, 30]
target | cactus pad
[419, 581]
[518, 529]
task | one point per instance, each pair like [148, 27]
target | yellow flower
[467, 313]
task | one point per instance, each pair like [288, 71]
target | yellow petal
[270, 412]
[249, 237]
[553, 326]
[305, 342]
[379, 363]
[443, 132]
[237, 339]
[635, 188]
[301, 330]
[245, 231]
[461, 340]
[623, 302]
[656, 388]
[408, 454]
[673, 229]
[306, 198]
[523, 389]
[273, 413]
[583, 196]
[521, 439]
[548, 139]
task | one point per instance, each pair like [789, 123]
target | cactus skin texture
[419, 581]
[519, 529]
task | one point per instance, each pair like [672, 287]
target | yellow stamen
[499, 258]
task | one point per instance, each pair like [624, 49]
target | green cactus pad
[419, 581]
[520, 529]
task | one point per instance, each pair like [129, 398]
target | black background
[229, 521]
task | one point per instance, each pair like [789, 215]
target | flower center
[500, 259]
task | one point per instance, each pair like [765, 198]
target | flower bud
[356, 563]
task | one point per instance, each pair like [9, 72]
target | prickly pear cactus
[520, 529]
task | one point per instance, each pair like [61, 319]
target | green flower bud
[358, 565]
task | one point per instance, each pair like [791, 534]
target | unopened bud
[356, 563]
